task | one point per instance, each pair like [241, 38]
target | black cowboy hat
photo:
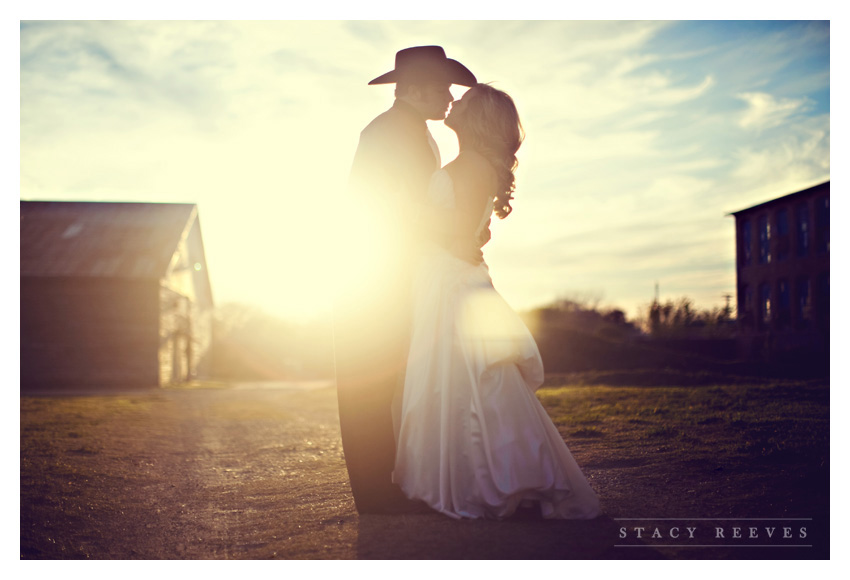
[426, 63]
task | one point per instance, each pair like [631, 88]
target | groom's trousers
[371, 337]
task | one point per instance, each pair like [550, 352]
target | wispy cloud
[765, 111]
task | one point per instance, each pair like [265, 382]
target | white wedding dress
[473, 440]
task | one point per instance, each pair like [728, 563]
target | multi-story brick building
[783, 275]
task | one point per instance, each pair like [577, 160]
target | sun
[296, 261]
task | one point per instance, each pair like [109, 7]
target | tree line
[574, 334]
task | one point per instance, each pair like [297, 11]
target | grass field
[771, 422]
[733, 451]
[744, 453]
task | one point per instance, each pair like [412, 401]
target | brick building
[783, 276]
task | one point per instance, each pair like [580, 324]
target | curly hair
[492, 127]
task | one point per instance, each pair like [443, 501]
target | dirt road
[246, 473]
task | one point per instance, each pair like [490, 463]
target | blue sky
[642, 136]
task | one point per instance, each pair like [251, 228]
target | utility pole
[728, 309]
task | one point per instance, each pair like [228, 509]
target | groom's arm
[468, 252]
[449, 228]
[468, 249]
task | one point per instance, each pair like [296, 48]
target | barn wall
[175, 335]
[202, 318]
[202, 306]
[185, 336]
[185, 324]
[89, 332]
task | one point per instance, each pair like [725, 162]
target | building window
[782, 236]
[746, 249]
[802, 230]
[804, 302]
[745, 305]
[764, 240]
[822, 299]
[783, 306]
[764, 305]
[822, 225]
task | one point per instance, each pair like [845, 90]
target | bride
[473, 439]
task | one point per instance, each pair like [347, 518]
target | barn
[113, 295]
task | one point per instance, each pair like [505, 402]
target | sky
[642, 136]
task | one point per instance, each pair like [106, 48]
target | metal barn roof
[125, 240]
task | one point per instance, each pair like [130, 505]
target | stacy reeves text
[728, 532]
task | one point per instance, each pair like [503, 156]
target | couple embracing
[435, 372]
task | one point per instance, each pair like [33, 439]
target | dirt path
[246, 474]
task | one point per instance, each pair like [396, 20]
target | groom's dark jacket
[395, 158]
[389, 179]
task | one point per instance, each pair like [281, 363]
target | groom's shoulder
[384, 120]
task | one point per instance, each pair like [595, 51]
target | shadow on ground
[438, 537]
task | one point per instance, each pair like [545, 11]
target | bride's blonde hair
[492, 127]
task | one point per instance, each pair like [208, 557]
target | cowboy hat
[426, 63]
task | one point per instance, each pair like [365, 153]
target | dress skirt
[473, 439]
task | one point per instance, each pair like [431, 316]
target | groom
[392, 168]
